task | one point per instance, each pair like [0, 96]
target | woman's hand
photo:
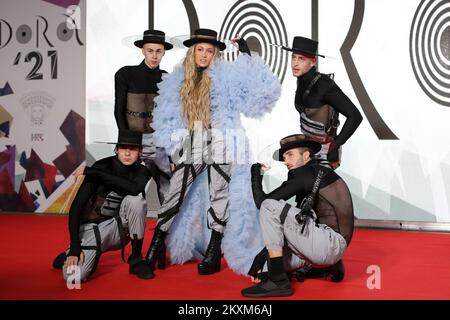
[234, 41]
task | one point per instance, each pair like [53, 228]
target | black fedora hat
[304, 45]
[295, 141]
[129, 138]
[153, 36]
[205, 35]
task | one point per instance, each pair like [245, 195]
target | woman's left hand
[234, 41]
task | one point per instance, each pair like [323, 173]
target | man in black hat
[317, 231]
[108, 210]
[320, 101]
[135, 89]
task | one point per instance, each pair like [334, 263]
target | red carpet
[413, 266]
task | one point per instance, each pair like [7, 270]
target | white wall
[404, 179]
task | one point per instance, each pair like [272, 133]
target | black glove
[243, 47]
[256, 179]
[256, 168]
[258, 263]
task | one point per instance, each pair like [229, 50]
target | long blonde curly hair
[195, 90]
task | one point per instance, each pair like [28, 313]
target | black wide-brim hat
[128, 138]
[153, 36]
[205, 35]
[295, 141]
[304, 45]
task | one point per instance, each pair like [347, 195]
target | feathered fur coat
[245, 86]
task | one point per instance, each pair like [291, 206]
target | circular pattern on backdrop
[63, 32]
[429, 48]
[23, 34]
[260, 24]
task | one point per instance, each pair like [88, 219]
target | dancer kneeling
[315, 232]
[108, 210]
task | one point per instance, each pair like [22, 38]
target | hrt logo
[37, 137]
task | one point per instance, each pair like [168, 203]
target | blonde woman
[202, 101]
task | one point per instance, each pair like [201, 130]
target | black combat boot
[337, 271]
[59, 261]
[211, 262]
[157, 250]
[137, 262]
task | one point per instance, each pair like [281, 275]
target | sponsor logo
[37, 106]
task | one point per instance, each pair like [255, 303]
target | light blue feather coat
[245, 86]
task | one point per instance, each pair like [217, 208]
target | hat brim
[124, 143]
[302, 51]
[189, 42]
[313, 145]
[140, 43]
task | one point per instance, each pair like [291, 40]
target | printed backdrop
[392, 58]
[42, 103]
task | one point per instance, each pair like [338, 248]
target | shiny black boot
[157, 250]
[137, 262]
[211, 262]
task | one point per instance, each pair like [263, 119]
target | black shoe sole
[142, 276]
[145, 277]
[278, 293]
[207, 270]
[204, 268]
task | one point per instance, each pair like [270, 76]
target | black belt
[284, 212]
[213, 215]
[301, 217]
[189, 168]
[139, 114]
[310, 85]
[227, 179]
[221, 172]
[121, 236]
[98, 242]
[169, 214]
